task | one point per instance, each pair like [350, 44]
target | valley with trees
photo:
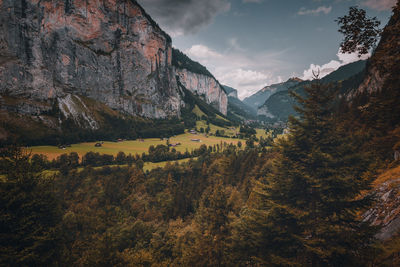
[117, 149]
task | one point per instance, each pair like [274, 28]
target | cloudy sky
[248, 44]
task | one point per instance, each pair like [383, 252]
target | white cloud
[244, 78]
[346, 58]
[324, 70]
[236, 68]
[202, 52]
[331, 66]
[247, 81]
[317, 11]
[379, 5]
[182, 17]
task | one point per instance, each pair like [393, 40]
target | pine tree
[211, 229]
[305, 212]
[29, 213]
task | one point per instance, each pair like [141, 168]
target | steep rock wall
[384, 65]
[205, 86]
[108, 50]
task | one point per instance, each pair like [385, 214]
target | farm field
[261, 133]
[134, 147]
[231, 131]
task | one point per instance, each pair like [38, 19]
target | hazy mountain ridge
[237, 109]
[280, 105]
[258, 99]
[231, 91]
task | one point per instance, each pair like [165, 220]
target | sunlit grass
[134, 147]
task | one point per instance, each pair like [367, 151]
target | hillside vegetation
[325, 192]
[280, 105]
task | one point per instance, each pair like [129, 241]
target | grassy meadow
[134, 147]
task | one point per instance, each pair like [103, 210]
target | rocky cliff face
[384, 65]
[110, 51]
[197, 79]
[205, 86]
[386, 211]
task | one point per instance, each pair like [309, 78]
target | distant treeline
[155, 154]
[112, 128]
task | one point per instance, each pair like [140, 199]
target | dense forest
[297, 203]
[298, 199]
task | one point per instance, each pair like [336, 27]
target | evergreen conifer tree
[306, 211]
[29, 213]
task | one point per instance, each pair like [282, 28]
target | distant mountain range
[258, 99]
[231, 91]
[237, 110]
[280, 105]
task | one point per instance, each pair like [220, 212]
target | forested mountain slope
[258, 99]
[279, 106]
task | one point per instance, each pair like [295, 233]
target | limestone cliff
[204, 86]
[197, 79]
[110, 51]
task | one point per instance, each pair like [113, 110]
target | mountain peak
[294, 79]
[259, 98]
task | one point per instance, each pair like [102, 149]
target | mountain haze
[258, 99]
[231, 91]
[280, 105]
[237, 109]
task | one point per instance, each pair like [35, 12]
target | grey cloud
[379, 5]
[184, 16]
[317, 11]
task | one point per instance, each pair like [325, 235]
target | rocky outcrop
[384, 65]
[110, 51]
[73, 107]
[197, 79]
[206, 87]
[386, 211]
